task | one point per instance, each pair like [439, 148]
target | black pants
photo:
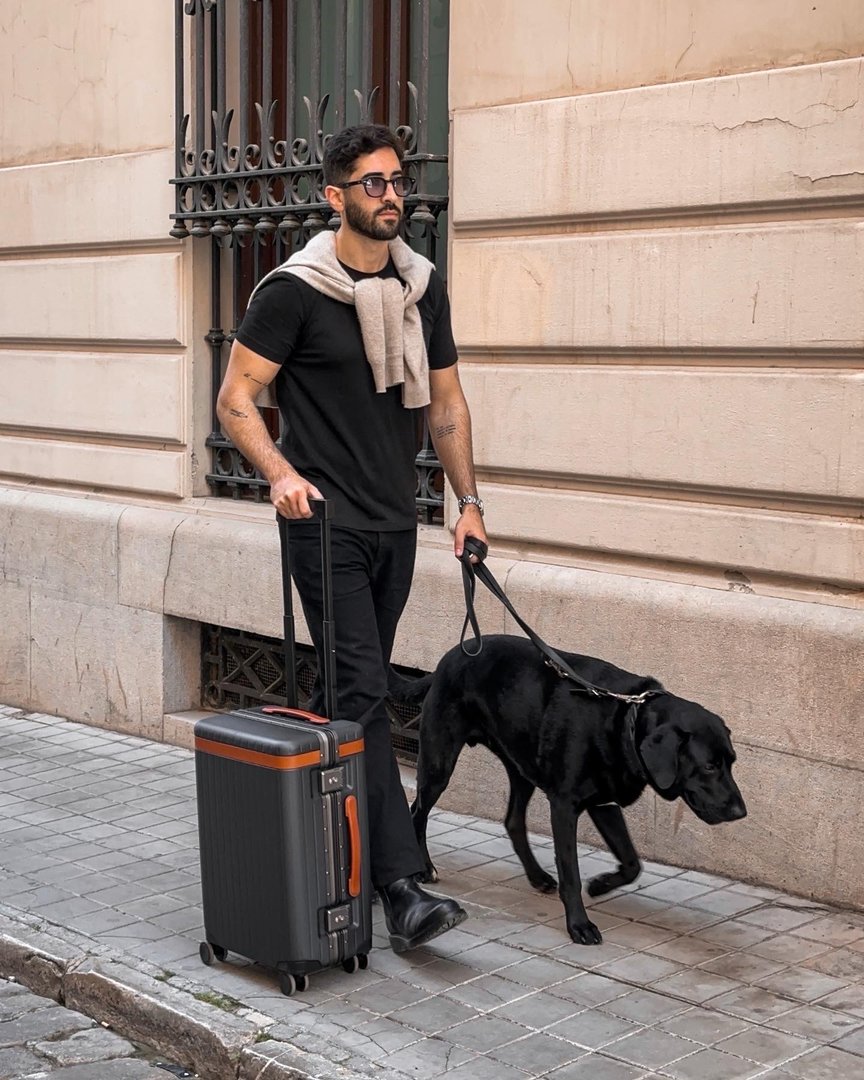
[372, 574]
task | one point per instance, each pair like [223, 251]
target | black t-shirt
[356, 446]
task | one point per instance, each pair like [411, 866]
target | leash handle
[470, 573]
[472, 547]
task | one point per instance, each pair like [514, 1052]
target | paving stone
[597, 1067]
[18, 1002]
[538, 1010]
[433, 1014]
[713, 1065]
[485, 1069]
[705, 1026]
[590, 989]
[801, 983]
[129, 1069]
[854, 1044]
[817, 1023]
[845, 964]
[428, 1058]
[44, 1023]
[696, 985]
[486, 992]
[538, 1054]
[826, 1064]
[592, 1029]
[764, 1046]
[484, 1033]
[96, 1044]
[652, 1049]
[644, 1007]
[789, 948]
[850, 999]
[15, 1061]
[753, 1003]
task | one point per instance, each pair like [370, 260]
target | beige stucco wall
[655, 271]
[656, 277]
[94, 324]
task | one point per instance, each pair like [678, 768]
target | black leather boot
[414, 917]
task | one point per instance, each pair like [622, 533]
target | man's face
[376, 218]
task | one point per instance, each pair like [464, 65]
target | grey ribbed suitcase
[282, 824]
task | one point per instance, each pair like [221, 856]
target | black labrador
[587, 753]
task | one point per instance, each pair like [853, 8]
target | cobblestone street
[698, 977]
[41, 1039]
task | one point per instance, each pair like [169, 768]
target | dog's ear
[660, 755]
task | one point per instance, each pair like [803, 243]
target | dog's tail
[407, 691]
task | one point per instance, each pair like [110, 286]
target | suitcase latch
[338, 918]
[332, 779]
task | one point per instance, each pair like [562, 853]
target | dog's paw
[545, 883]
[429, 876]
[605, 883]
[585, 933]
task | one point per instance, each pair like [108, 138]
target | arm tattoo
[445, 429]
[246, 375]
[236, 412]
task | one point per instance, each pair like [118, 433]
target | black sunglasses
[376, 186]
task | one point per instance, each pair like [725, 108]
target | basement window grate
[242, 670]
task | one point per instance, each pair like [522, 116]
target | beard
[369, 224]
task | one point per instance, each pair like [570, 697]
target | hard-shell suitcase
[282, 823]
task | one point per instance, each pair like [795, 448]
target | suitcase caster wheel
[351, 965]
[287, 983]
[363, 961]
[210, 952]
[302, 982]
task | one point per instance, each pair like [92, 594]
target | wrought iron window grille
[241, 670]
[267, 82]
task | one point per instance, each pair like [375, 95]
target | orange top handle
[298, 714]
[353, 819]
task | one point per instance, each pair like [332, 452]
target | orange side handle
[298, 714]
[353, 819]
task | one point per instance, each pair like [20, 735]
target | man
[355, 329]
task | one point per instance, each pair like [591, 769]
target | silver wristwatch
[471, 500]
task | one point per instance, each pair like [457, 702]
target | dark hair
[343, 149]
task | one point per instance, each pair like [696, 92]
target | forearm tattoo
[237, 412]
[445, 429]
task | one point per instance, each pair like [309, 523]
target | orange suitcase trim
[283, 763]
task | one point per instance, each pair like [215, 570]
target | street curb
[142, 1009]
[214, 1043]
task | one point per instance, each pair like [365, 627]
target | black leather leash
[470, 573]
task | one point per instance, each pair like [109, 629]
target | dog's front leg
[609, 822]
[579, 926]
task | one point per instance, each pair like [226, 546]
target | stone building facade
[655, 266]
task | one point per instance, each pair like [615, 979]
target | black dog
[585, 753]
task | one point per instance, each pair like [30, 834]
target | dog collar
[631, 744]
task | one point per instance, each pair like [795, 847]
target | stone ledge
[178, 728]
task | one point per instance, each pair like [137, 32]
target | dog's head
[687, 753]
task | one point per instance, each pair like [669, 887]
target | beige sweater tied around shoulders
[386, 310]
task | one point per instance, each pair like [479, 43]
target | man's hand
[470, 523]
[290, 494]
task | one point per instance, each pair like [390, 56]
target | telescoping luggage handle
[323, 510]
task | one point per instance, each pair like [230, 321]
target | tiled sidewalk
[699, 978]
